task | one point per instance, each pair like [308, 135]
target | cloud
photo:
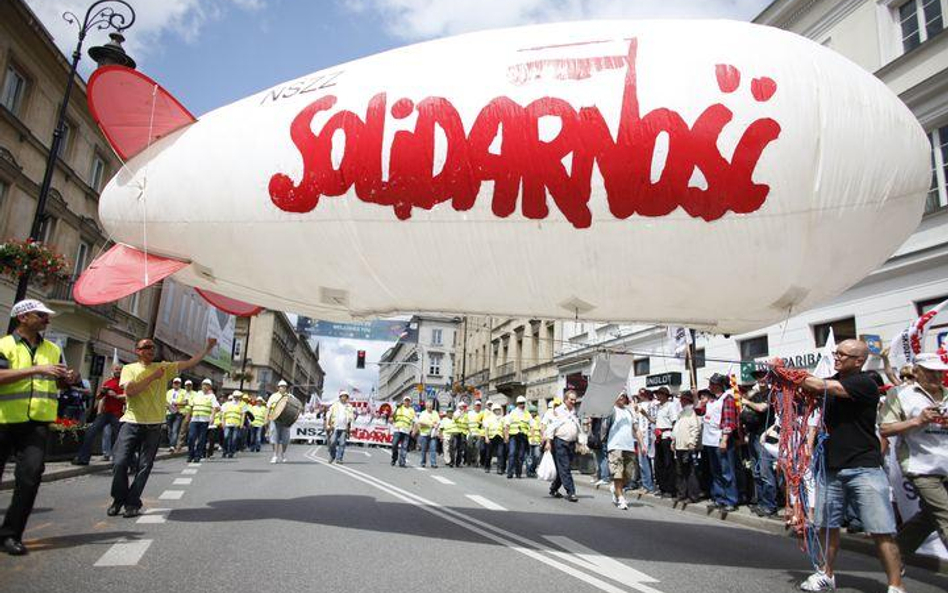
[338, 359]
[157, 22]
[424, 19]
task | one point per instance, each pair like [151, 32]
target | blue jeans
[231, 434]
[174, 427]
[563, 458]
[337, 444]
[197, 440]
[723, 478]
[399, 447]
[533, 459]
[764, 478]
[428, 446]
[645, 472]
[101, 421]
[496, 448]
[516, 448]
[866, 488]
[255, 433]
[602, 464]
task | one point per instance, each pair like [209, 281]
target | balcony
[508, 374]
[478, 378]
[61, 299]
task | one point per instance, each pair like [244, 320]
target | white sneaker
[282, 459]
[622, 504]
[273, 459]
[819, 581]
[615, 497]
[892, 589]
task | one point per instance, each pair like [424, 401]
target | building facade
[267, 349]
[33, 75]
[428, 362]
[904, 43]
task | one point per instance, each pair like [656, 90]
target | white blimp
[710, 174]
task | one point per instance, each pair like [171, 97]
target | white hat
[237, 393]
[176, 380]
[189, 382]
[30, 306]
[407, 398]
[343, 392]
[282, 383]
[477, 402]
[521, 400]
[207, 382]
[496, 407]
[931, 361]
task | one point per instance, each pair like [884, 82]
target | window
[937, 193]
[919, 20]
[82, 257]
[436, 337]
[754, 348]
[133, 306]
[551, 340]
[699, 358]
[641, 367]
[97, 173]
[68, 132]
[843, 329]
[4, 188]
[238, 348]
[48, 230]
[167, 303]
[14, 90]
[434, 364]
[925, 306]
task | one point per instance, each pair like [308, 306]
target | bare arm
[759, 407]
[829, 386]
[889, 371]
[55, 371]
[139, 385]
[927, 416]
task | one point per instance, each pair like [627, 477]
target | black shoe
[13, 547]
[393, 464]
[730, 508]
[132, 512]
[556, 494]
[78, 461]
[509, 477]
[572, 498]
[114, 509]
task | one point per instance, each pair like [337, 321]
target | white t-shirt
[341, 421]
[621, 433]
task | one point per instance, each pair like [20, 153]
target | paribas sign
[806, 360]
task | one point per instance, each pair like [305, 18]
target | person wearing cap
[494, 433]
[619, 428]
[562, 434]
[755, 418]
[516, 427]
[279, 434]
[233, 413]
[426, 425]
[918, 414]
[447, 429]
[204, 408]
[339, 420]
[176, 402]
[666, 413]
[402, 422]
[144, 383]
[642, 407]
[853, 459]
[686, 435]
[215, 429]
[460, 439]
[31, 374]
[110, 403]
[189, 394]
[534, 442]
[259, 411]
[719, 438]
[243, 438]
[475, 437]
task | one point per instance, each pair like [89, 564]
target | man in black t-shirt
[854, 471]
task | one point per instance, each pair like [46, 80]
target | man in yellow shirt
[144, 383]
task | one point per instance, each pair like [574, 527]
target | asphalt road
[244, 524]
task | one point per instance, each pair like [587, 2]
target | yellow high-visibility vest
[474, 423]
[404, 417]
[534, 436]
[461, 423]
[259, 412]
[233, 413]
[202, 404]
[32, 398]
[448, 427]
[493, 426]
[426, 421]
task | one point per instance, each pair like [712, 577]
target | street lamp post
[101, 15]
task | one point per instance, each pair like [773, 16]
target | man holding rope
[853, 461]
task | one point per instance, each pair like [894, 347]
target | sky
[209, 53]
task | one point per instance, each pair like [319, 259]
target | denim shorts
[866, 489]
[279, 435]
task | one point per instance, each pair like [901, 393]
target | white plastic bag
[547, 468]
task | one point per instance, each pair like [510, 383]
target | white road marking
[171, 495]
[421, 469]
[593, 561]
[194, 465]
[124, 553]
[367, 454]
[189, 472]
[487, 504]
[182, 482]
[443, 480]
[153, 516]
[531, 549]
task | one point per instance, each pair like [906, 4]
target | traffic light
[360, 359]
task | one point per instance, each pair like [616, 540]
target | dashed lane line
[171, 495]
[486, 503]
[153, 517]
[126, 553]
[443, 480]
[182, 482]
[189, 472]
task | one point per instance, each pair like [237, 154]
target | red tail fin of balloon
[133, 110]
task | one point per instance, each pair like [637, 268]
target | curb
[862, 544]
[82, 470]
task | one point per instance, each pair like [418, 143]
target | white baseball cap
[207, 382]
[496, 407]
[189, 382]
[282, 383]
[931, 361]
[521, 400]
[176, 380]
[343, 392]
[30, 306]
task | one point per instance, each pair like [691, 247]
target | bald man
[853, 459]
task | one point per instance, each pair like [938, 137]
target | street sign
[378, 330]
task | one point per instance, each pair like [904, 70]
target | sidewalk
[744, 516]
[61, 470]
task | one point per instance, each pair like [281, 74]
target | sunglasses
[41, 315]
[146, 347]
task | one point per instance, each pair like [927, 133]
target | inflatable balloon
[708, 174]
